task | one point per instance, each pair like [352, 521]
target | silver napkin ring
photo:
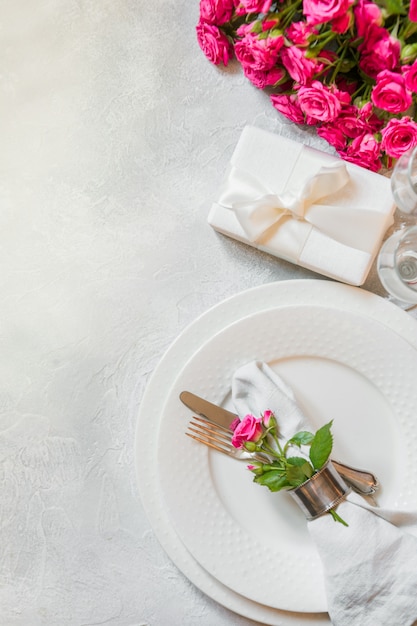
[320, 493]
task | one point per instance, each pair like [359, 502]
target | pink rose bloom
[364, 151]
[398, 136]
[343, 96]
[410, 76]
[344, 85]
[268, 24]
[288, 106]
[325, 61]
[299, 32]
[261, 78]
[267, 416]
[390, 92]
[366, 14]
[258, 54]
[249, 429]
[380, 51]
[248, 29]
[253, 6]
[298, 66]
[235, 423]
[349, 123]
[319, 103]
[341, 24]
[334, 136]
[372, 122]
[216, 11]
[214, 43]
[320, 11]
[355, 122]
[378, 36]
[245, 29]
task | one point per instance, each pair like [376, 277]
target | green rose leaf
[274, 480]
[303, 438]
[256, 27]
[298, 474]
[394, 7]
[308, 470]
[296, 460]
[321, 446]
[275, 32]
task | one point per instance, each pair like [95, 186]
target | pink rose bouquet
[347, 67]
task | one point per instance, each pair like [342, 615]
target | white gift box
[304, 206]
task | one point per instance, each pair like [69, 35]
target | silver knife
[362, 481]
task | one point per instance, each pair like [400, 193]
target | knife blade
[362, 481]
[207, 409]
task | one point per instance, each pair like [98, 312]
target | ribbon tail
[353, 227]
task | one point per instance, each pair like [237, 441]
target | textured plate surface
[346, 367]
[334, 296]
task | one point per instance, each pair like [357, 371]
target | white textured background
[115, 133]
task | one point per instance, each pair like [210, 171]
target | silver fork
[220, 438]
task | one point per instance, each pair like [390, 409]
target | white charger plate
[345, 367]
[332, 295]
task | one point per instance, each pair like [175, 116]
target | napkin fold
[370, 567]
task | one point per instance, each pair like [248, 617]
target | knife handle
[362, 481]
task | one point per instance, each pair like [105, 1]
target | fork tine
[209, 436]
[218, 438]
[208, 422]
[209, 429]
[209, 444]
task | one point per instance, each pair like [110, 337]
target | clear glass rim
[404, 233]
[409, 229]
[412, 155]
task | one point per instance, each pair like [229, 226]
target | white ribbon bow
[258, 209]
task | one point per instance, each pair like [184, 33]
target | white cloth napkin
[371, 565]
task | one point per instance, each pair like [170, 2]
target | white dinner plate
[343, 367]
[334, 296]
